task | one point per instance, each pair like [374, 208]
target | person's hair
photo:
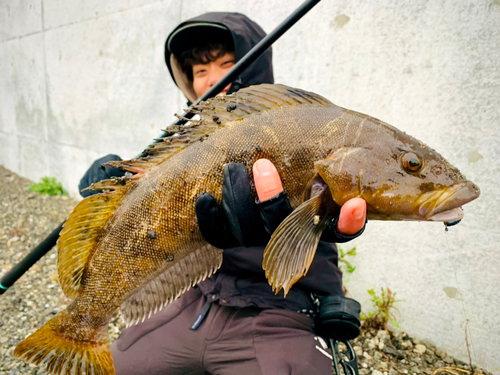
[204, 51]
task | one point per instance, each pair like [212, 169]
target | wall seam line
[21, 36]
[45, 86]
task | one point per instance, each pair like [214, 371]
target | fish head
[399, 177]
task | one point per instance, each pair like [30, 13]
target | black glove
[244, 222]
[98, 172]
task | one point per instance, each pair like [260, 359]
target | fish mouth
[448, 216]
[445, 205]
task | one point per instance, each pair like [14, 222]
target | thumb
[352, 216]
[267, 180]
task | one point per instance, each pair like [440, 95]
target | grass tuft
[48, 185]
[384, 304]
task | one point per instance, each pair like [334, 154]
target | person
[233, 323]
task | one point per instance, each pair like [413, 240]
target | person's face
[207, 75]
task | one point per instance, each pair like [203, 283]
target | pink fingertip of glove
[352, 216]
[267, 180]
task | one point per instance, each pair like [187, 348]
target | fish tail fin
[66, 344]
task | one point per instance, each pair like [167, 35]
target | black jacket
[246, 34]
[241, 280]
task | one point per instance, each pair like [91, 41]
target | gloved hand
[98, 172]
[244, 222]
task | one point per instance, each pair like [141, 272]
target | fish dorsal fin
[214, 114]
[169, 285]
[80, 232]
[255, 99]
[179, 137]
[291, 249]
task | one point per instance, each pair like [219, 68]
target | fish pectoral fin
[291, 249]
[171, 283]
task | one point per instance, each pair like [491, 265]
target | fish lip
[453, 215]
[444, 205]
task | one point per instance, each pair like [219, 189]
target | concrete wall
[79, 80]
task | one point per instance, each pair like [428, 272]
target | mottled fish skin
[164, 200]
[150, 249]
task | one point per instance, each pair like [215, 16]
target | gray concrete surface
[79, 80]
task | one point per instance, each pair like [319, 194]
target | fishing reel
[338, 321]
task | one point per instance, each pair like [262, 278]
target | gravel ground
[26, 218]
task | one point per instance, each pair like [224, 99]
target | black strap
[347, 359]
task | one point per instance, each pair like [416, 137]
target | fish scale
[137, 246]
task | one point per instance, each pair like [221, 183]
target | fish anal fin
[291, 249]
[171, 283]
[79, 236]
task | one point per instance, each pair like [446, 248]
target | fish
[136, 245]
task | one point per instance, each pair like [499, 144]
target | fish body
[137, 245]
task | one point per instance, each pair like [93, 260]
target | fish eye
[411, 162]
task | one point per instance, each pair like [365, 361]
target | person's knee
[286, 344]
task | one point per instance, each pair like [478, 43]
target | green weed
[384, 303]
[383, 314]
[48, 185]
[344, 265]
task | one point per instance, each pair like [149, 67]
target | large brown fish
[137, 246]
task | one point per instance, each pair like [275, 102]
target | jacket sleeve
[324, 276]
[97, 172]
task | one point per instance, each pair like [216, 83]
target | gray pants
[231, 341]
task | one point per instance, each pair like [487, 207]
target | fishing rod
[43, 248]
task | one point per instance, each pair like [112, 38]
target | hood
[246, 34]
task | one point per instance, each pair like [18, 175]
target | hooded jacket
[245, 33]
[241, 281]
